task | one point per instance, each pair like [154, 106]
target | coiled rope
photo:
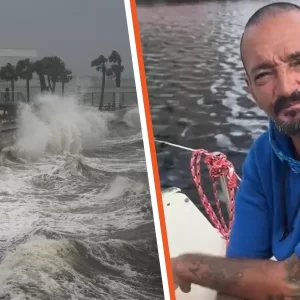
[219, 169]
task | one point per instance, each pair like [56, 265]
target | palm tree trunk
[118, 85]
[28, 91]
[117, 99]
[42, 82]
[102, 90]
[63, 88]
[13, 90]
[49, 83]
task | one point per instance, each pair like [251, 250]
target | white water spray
[57, 125]
[132, 118]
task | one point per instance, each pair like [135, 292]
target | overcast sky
[75, 30]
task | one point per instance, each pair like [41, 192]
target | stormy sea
[75, 209]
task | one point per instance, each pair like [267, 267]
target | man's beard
[290, 128]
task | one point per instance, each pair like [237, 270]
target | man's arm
[242, 278]
[226, 297]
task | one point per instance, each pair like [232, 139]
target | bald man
[267, 218]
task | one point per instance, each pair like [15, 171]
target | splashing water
[57, 125]
[132, 118]
[72, 192]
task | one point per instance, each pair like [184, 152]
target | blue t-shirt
[267, 204]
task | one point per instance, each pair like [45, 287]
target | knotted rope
[219, 167]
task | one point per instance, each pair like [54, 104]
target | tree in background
[65, 76]
[51, 70]
[25, 69]
[115, 71]
[100, 63]
[40, 70]
[54, 66]
[9, 73]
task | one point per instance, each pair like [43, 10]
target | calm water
[196, 88]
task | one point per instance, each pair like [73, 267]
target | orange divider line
[152, 147]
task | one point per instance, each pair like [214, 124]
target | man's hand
[178, 270]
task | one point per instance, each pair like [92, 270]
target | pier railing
[11, 97]
[127, 99]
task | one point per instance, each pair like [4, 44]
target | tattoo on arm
[292, 277]
[292, 267]
[224, 275]
[226, 297]
[244, 278]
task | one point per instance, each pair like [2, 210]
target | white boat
[183, 219]
[189, 230]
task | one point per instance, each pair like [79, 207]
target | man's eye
[261, 75]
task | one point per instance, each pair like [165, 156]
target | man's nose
[287, 82]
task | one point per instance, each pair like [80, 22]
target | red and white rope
[218, 167]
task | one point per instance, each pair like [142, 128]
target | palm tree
[100, 65]
[115, 70]
[65, 76]
[53, 67]
[25, 69]
[8, 73]
[40, 69]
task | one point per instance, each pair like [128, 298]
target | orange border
[152, 147]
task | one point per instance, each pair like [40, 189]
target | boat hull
[188, 230]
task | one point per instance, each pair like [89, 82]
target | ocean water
[196, 84]
[75, 209]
